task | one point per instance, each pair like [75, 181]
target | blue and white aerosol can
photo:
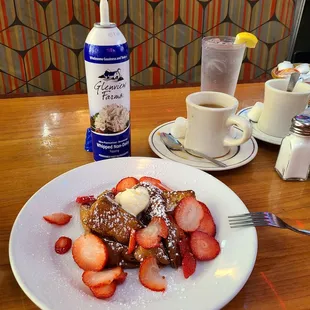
[108, 85]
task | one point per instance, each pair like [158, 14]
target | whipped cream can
[108, 86]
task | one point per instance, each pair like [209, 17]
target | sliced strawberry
[121, 279]
[63, 245]
[149, 275]
[126, 183]
[188, 264]
[204, 207]
[155, 182]
[104, 291]
[132, 242]
[181, 232]
[99, 278]
[161, 225]
[150, 236]
[203, 246]
[188, 214]
[207, 224]
[113, 190]
[85, 199]
[90, 252]
[184, 246]
[58, 218]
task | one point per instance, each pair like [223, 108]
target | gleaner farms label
[108, 87]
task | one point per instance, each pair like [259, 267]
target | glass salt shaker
[293, 163]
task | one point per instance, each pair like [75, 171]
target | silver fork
[261, 219]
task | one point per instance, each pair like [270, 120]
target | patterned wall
[41, 41]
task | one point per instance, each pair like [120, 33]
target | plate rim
[210, 169]
[42, 305]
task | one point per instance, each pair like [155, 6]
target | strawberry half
[63, 245]
[132, 242]
[207, 224]
[188, 214]
[204, 207]
[188, 264]
[121, 279]
[126, 183]
[150, 277]
[155, 182]
[150, 236]
[104, 291]
[90, 252]
[58, 218]
[99, 278]
[85, 199]
[184, 246]
[204, 247]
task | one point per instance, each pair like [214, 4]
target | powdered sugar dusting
[157, 201]
[108, 219]
[157, 208]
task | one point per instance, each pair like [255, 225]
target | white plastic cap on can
[104, 13]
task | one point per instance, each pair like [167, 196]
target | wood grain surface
[43, 137]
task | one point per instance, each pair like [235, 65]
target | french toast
[108, 219]
[117, 248]
[174, 197]
[118, 255]
[157, 208]
[160, 254]
[172, 243]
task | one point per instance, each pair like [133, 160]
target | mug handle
[241, 123]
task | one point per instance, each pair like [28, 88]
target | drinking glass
[221, 63]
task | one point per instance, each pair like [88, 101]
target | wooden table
[42, 137]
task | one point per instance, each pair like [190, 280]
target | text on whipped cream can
[106, 56]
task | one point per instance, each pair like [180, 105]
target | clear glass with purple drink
[221, 63]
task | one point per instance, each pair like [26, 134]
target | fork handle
[301, 231]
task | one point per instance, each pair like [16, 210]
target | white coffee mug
[281, 106]
[208, 128]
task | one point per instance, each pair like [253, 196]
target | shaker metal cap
[301, 124]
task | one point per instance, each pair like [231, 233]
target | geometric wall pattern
[41, 41]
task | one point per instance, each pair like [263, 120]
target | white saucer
[237, 157]
[257, 133]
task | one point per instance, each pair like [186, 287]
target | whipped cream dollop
[303, 68]
[134, 200]
[285, 65]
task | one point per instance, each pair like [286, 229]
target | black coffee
[212, 105]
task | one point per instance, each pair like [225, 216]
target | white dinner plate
[238, 156]
[54, 281]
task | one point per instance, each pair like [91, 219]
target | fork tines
[261, 219]
[248, 219]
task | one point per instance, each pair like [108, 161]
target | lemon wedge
[246, 38]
